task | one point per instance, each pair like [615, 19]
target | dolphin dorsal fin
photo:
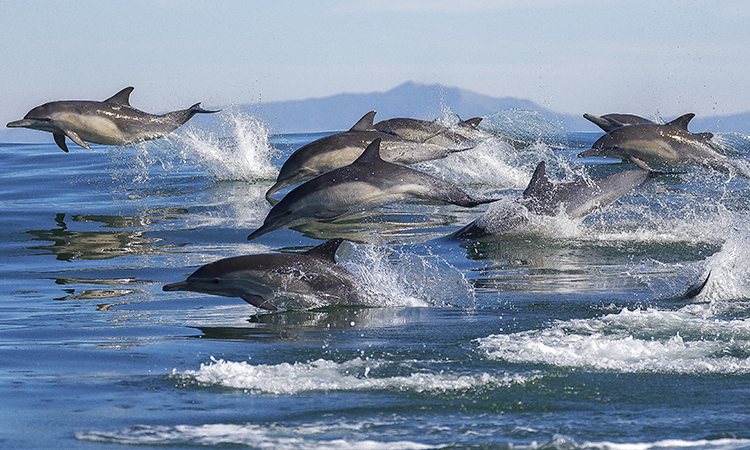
[371, 153]
[682, 121]
[471, 123]
[367, 122]
[705, 136]
[121, 98]
[326, 251]
[539, 182]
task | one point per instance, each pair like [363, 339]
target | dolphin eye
[216, 281]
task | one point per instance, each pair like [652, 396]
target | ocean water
[564, 334]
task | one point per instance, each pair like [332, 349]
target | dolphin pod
[667, 145]
[361, 169]
[367, 183]
[338, 150]
[279, 280]
[110, 122]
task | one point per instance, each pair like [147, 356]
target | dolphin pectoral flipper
[328, 216]
[258, 302]
[60, 141]
[640, 163]
[75, 138]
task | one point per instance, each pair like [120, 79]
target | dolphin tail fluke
[180, 117]
[196, 109]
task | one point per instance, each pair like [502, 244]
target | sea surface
[563, 334]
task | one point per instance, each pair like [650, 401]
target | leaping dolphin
[609, 122]
[668, 145]
[367, 183]
[271, 281]
[576, 199]
[111, 122]
[432, 132]
[340, 149]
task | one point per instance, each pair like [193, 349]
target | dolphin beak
[20, 123]
[179, 286]
[589, 152]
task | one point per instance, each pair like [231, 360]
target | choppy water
[564, 334]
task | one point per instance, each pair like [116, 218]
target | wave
[640, 340]
[325, 376]
[305, 437]
[356, 435]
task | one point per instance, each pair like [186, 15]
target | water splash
[407, 279]
[521, 128]
[239, 150]
[236, 149]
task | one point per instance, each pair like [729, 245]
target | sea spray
[239, 150]
[400, 278]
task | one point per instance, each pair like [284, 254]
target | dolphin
[576, 200]
[111, 122]
[609, 122]
[668, 145]
[340, 149]
[279, 280]
[367, 183]
[431, 132]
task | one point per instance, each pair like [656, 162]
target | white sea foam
[649, 340]
[729, 269]
[673, 444]
[304, 437]
[324, 375]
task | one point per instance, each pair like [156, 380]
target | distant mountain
[340, 112]
[422, 101]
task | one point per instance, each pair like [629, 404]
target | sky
[643, 57]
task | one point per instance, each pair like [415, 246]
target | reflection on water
[292, 324]
[129, 238]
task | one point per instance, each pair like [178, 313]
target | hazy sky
[643, 57]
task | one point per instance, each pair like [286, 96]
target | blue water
[565, 334]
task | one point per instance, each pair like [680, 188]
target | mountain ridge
[430, 101]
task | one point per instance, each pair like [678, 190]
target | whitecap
[325, 375]
[304, 437]
[637, 340]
